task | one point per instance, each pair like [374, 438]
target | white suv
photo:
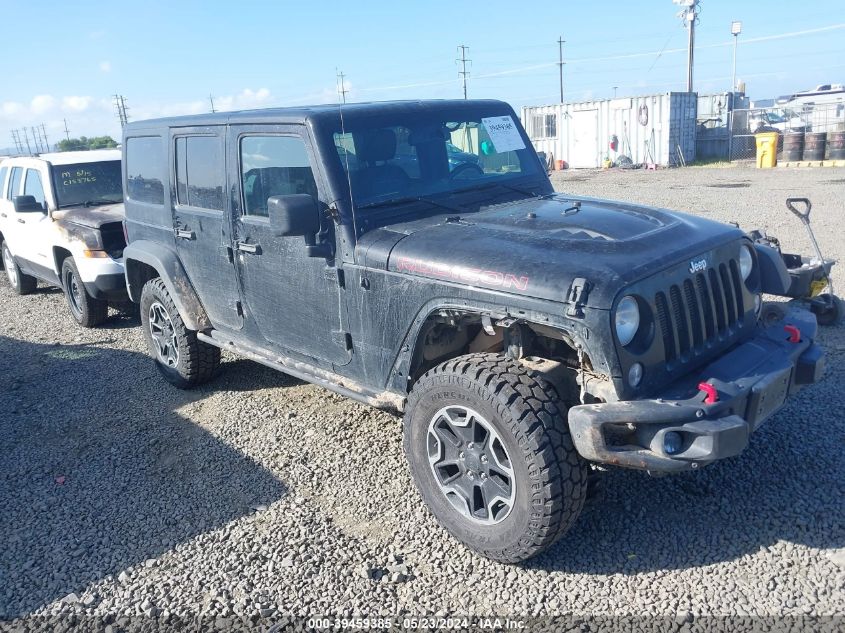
[61, 222]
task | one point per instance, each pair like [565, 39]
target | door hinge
[336, 275]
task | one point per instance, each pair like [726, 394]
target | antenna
[211, 99]
[348, 175]
[463, 72]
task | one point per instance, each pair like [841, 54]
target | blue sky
[167, 57]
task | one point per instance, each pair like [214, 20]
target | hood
[537, 247]
[90, 217]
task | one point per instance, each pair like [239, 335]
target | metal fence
[806, 117]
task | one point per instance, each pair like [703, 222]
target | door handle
[21, 220]
[255, 249]
[182, 234]
[2, 215]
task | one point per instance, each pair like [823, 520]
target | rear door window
[145, 167]
[3, 172]
[199, 172]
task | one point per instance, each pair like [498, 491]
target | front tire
[489, 450]
[182, 359]
[20, 282]
[85, 309]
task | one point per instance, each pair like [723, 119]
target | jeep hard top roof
[315, 113]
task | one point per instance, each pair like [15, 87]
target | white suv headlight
[627, 319]
[746, 261]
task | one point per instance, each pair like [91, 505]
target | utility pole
[560, 43]
[36, 139]
[46, 143]
[26, 138]
[463, 72]
[120, 109]
[736, 29]
[67, 132]
[614, 91]
[16, 137]
[340, 80]
[211, 99]
[689, 16]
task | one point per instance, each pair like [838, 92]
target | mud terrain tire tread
[530, 406]
[198, 361]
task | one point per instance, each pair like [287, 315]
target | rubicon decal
[476, 276]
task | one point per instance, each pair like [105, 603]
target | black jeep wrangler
[414, 256]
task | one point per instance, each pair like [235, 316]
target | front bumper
[111, 287]
[752, 381]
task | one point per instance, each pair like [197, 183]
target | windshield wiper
[100, 201]
[488, 185]
[404, 201]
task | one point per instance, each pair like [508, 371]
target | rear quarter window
[3, 172]
[145, 168]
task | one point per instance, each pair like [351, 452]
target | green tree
[84, 143]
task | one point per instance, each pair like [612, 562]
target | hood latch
[577, 296]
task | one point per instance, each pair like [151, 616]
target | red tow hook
[710, 390]
[794, 333]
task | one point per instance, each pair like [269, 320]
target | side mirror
[27, 204]
[294, 214]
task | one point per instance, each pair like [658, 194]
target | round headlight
[746, 261]
[627, 319]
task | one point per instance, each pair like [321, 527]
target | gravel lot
[262, 495]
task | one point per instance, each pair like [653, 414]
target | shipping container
[657, 129]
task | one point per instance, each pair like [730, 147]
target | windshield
[87, 183]
[400, 160]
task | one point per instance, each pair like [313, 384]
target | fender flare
[166, 263]
[398, 373]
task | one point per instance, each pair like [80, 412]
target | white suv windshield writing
[87, 183]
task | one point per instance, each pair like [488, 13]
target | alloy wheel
[471, 465]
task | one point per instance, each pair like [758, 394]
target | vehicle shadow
[240, 374]
[786, 486]
[98, 473]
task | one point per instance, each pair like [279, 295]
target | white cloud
[246, 99]
[42, 103]
[105, 66]
[11, 108]
[76, 104]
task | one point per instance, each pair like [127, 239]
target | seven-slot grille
[705, 307]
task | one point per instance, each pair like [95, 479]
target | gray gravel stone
[157, 474]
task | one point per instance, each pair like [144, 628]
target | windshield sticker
[503, 132]
[77, 177]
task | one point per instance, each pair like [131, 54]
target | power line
[463, 72]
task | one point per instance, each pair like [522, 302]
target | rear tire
[489, 449]
[85, 309]
[20, 282]
[183, 360]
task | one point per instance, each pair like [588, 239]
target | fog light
[635, 374]
[672, 442]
